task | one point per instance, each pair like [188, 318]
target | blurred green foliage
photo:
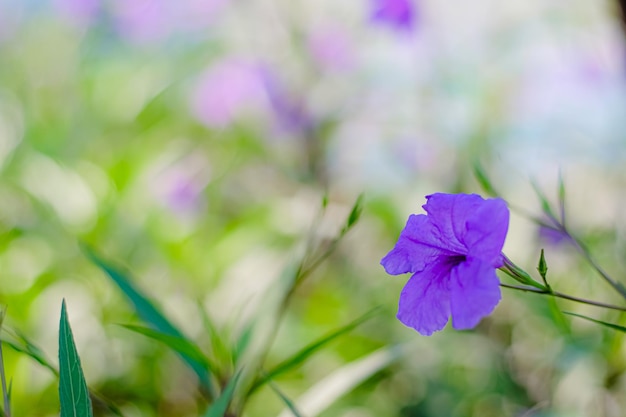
[100, 143]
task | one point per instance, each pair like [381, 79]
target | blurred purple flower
[290, 113]
[552, 236]
[226, 91]
[182, 192]
[197, 14]
[142, 21]
[331, 49]
[236, 87]
[179, 185]
[81, 12]
[11, 18]
[399, 14]
[453, 252]
[148, 21]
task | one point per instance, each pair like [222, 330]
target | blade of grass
[303, 354]
[483, 180]
[220, 406]
[34, 352]
[603, 323]
[5, 392]
[545, 204]
[354, 216]
[149, 313]
[73, 393]
[307, 267]
[288, 402]
[28, 348]
[220, 353]
[178, 344]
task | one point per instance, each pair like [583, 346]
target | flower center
[455, 260]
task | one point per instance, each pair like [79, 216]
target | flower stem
[564, 296]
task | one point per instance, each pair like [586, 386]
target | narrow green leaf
[604, 323]
[31, 350]
[483, 180]
[25, 346]
[288, 402]
[149, 313]
[355, 214]
[73, 393]
[325, 200]
[220, 406]
[5, 392]
[243, 342]
[220, 351]
[143, 306]
[558, 317]
[545, 204]
[310, 349]
[176, 343]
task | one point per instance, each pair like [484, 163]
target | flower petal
[418, 245]
[486, 231]
[474, 293]
[475, 226]
[449, 214]
[425, 302]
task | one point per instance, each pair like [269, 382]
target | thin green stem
[564, 296]
[617, 286]
[5, 392]
[559, 226]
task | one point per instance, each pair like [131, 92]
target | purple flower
[142, 21]
[80, 12]
[331, 48]
[397, 13]
[225, 92]
[453, 252]
[552, 236]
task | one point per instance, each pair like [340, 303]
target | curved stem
[564, 296]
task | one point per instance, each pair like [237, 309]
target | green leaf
[243, 341]
[483, 180]
[23, 345]
[221, 353]
[604, 323]
[288, 402]
[176, 343]
[73, 393]
[149, 313]
[6, 400]
[545, 204]
[355, 214]
[310, 349]
[220, 406]
[325, 201]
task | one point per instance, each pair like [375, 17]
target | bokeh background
[193, 141]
